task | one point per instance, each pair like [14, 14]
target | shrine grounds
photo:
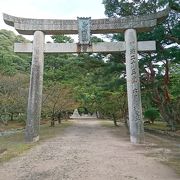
[91, 150]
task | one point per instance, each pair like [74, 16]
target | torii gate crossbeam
[75, 48]
[28, 26]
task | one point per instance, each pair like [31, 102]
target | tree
[57, 99]
[62, 39]
[151, 114]
[154, 66]
[13, 96]
[113, 105]
[11, 63]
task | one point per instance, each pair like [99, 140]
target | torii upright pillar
[133, 88]
[35, 89]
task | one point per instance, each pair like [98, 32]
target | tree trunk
[53, 116]
[114, 119]
[12, 116]
[59, 117]
[52, 123]
[167, 116]
[53, 120]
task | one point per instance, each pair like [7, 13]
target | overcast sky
[60, 9]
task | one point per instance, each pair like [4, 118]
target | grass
[159, 125]
[172, 158]
[15, 144]
[107, 123]
[47, 132]
[174, 163]
[12, 125]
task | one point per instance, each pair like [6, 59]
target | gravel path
[86, 151]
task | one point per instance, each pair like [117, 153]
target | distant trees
[113, 105]
[10, 62]
[58, 101]
[13, 96]
[13, 78]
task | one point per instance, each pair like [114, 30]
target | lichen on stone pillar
[35, 89]
[133, 88]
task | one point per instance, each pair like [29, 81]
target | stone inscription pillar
[35, 89]
[133, 88]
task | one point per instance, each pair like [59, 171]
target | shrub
[151, 114]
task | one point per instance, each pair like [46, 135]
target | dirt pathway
[86, 151]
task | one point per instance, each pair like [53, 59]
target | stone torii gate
[84, 27]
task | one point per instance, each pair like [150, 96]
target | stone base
[35, 139]
[136, 140]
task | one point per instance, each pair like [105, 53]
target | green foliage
[62, 39]
[13, 96]
[97, 84]
[159, 77]
[57, 98]
[11, 63]
[95, 39]
[14, 144]
[152, 114]
[117, 8]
